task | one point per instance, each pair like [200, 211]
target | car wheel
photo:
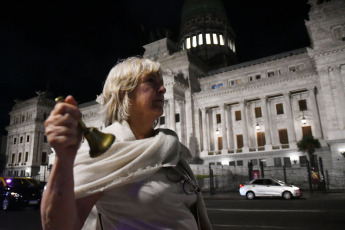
[287, 195]
[5, 204]
[250, 195]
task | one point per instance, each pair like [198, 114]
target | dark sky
[70, 47]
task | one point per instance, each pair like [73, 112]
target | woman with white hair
[142, 182]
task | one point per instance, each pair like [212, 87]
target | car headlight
[14, 194]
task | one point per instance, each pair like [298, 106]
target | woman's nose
[162, 89]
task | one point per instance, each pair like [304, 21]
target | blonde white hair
[121, 80]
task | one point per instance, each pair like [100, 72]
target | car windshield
[17, 183]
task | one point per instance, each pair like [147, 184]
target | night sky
[69, 48]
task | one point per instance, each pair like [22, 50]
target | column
[339, 97]
[167, 114]
[290, 122]
[172, 123]
[229, 123]
[204, 130]
[315, 111]
[244, 126]
[268, 138]
[183, 122]
[224, 133]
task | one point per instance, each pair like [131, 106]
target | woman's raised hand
[62, 129]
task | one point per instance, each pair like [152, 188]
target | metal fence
[228, 178]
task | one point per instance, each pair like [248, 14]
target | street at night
[320, 211]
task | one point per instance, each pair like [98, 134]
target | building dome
[200, 8]
[205, 32]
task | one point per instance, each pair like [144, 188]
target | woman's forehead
[152, 74]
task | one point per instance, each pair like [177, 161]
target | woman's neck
[140, 129]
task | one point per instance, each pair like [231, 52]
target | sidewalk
[320, 195]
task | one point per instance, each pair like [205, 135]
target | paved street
[312, 212]
[231, 211]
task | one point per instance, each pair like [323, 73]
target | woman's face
[147, 98]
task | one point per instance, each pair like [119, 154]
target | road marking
[253, 226]
[264, 210]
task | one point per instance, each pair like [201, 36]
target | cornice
[316, 54]
[225, 92]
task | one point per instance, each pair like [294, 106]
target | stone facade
[247, 112]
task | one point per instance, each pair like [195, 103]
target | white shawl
[128, 160]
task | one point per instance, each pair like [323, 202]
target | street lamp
[257, 126]
[304, 121]
[217, 132]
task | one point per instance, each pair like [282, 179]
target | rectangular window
[220, 143]
[215, 39]
[250, 78]
[232, 163]
[238, 115]
[208, 39]
[258, 112]
[162, 120]
[200, 39]
[283, 136]
[15, 141]
[218, 118]
[221, 40]
[261, 138]
[257, 77]
[302, 105]
[188, 43]
[306, 131]
[239, 163]
[214, 86]
[287, 162]
[21, 140]
[303, 160]
[292, 69]
[194, 41]
[280, 108]
[238, 81]
[232, 83]
[27, 138]
[337, 33]
[13, 158]
[45, 139]
[177, 117]
[26, 156]
[44, 158]
[278, 162]
[270, 74]
[239, 139]
[20, 157]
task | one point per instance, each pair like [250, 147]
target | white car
[265, 187]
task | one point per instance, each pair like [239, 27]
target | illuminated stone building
[229, 113]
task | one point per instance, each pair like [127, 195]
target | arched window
[208, 39]
[200, 39]
[188, 43]
[194, 41]
[215, 39]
